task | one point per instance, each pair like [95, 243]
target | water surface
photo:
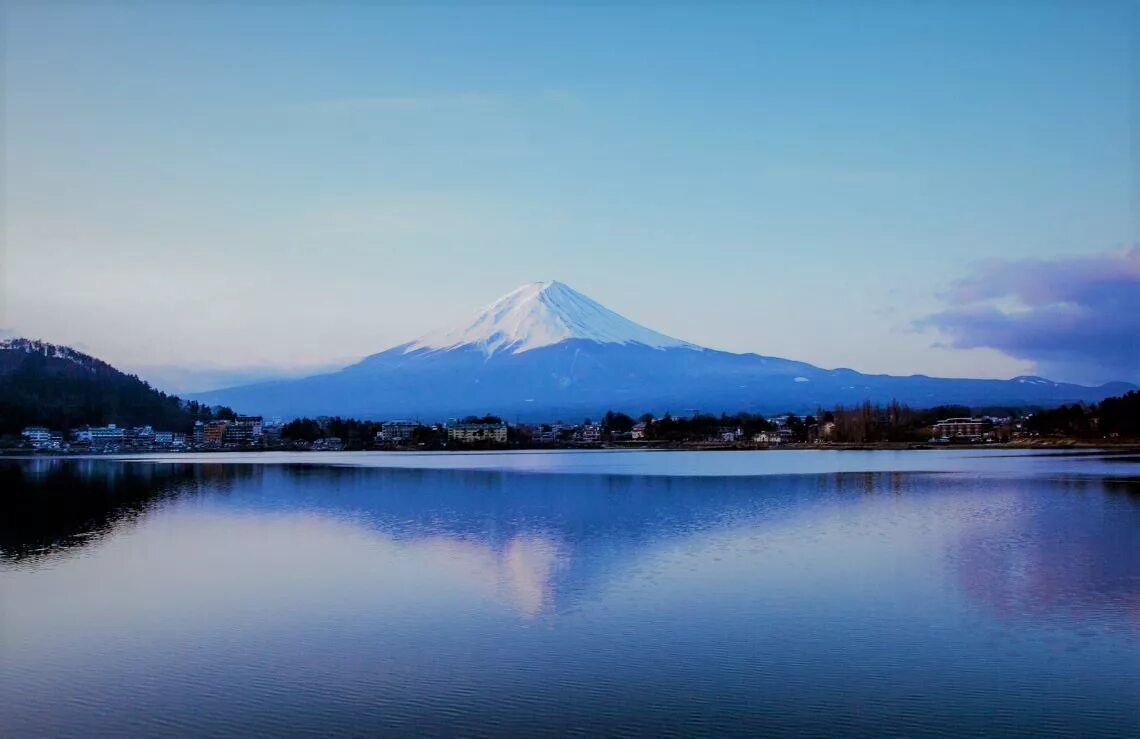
[863, 593]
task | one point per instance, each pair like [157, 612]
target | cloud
[1077, 318]
[455, 101]
[401, 103]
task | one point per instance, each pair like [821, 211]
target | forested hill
[44, 384]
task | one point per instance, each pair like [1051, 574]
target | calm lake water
[644, 593]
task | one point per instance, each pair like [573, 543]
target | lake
[618, 593]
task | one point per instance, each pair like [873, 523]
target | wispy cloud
[452, 101]
[401, 103]
[1077, 318]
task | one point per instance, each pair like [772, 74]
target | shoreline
[1057, 445]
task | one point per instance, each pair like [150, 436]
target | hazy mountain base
[578, 378]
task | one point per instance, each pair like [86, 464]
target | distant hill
[43, 384]
[546, 351]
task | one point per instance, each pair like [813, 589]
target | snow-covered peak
[540, 314]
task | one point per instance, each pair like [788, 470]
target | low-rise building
[38, 437]
[960, 428]
[100, 436]
[771, 438]
[396, 431]
[469, 433]
[638, 432]
[139, 437]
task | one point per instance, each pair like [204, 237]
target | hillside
[44, 384]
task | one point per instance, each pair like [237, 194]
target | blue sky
[202, 193]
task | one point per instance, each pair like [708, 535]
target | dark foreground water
[637, 593]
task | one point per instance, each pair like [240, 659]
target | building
[548, 433]
[328, 444]
[468, 433]
[39, 437]
[100, 436]
[245, 431]
[214, 434]
[638, 432]
[139, 437]
[591, 433]
[772, 438]
[730, 435]
[397, 432]
[960, 428]
[197, 436]
[169, 439]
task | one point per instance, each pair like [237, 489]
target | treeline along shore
[1113, 422]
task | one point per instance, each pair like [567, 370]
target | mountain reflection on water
[305, 598]
[541, 539]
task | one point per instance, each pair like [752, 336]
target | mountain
[44, 384]
[545, 351]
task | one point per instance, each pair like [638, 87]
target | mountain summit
[542, 314]
[546, 351]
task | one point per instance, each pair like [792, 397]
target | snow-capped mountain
[545, 351]
[541, 314]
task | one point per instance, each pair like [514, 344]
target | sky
[208, 193]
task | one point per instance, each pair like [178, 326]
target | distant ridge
[545, 351]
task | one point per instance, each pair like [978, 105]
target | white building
[39, 437]
[101, 435]
[396, 432]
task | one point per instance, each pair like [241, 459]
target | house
[328, 444]
[591, 433]
[772, 438]
[638, 432]
[730, 435]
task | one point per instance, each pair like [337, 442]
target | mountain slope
[543, 314]
[44, 384]
[545, 350]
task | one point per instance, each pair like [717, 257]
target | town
[857, 425]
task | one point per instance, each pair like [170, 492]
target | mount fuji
[545, 351]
